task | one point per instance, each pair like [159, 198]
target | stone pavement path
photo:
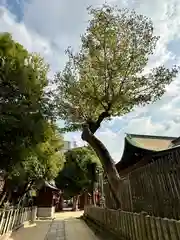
[56, 231]
[66, 226]
[37, 232]
[77, 229]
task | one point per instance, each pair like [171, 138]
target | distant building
[46, 199]
[67, 146]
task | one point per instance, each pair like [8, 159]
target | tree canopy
[107, 74]
[107, 77]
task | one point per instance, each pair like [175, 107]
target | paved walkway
[66, 226]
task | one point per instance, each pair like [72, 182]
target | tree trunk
[75, 203]
[86, 200]
[93, 198]
[3, 198]
[61, 202]
[25, 189]
[106, 161]
[4, 192]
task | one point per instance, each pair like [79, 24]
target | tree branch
[94, 125]
[127, 71]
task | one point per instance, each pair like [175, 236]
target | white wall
[46, 212]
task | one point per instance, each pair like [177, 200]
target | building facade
[67, 146]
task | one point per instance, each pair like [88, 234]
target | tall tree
[29, 142]
[24, 101]
[106, 78]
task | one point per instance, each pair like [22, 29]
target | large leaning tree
[106, 78]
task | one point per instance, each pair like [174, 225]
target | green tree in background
[43, 162]
[108, 77]
[79, 172]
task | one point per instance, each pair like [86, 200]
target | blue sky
[49, 27]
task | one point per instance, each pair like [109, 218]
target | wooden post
[2, 221]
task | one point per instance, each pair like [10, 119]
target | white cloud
[30, 39]
[113, 141]
[59, 21]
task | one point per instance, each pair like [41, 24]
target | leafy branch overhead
[106, 77]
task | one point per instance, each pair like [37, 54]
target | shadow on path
[38, 232]
[65, 226]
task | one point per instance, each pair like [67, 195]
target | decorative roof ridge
[129, 135]
[176, 140]
[173, 148]
[135, 143]
[132, 141]
[50, 185]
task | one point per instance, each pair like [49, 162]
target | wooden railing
[134, 226]
[13, 218]
[154, 188]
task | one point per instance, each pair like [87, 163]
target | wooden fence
[13, 218]
[154, 188]
[134, 226]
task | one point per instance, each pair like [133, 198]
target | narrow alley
[65, 226]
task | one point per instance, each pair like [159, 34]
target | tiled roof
[156, 143]
[50, 185]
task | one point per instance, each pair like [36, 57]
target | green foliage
[49, 156]
[79, 172]
[44, 161]
[24, 108]
[30, 146]
[107, 74]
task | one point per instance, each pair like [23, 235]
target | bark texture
[75, 203]
[106, 160]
